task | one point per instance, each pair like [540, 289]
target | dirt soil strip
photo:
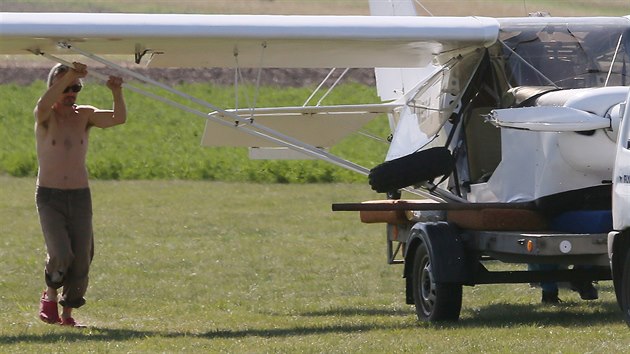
[25, 75]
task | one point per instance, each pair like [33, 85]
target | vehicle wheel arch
[415, 239]
[443, 242]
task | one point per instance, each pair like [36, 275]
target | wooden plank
[387, 205]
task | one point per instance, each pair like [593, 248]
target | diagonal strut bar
[166, 100]
[249, 125]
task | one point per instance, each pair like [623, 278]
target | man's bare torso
[62, 143]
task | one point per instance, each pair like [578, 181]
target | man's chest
[69, 131]
[72, 123]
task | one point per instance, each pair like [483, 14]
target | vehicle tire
[434, 301]
[624, 293]
[620, 252]
[412, 169]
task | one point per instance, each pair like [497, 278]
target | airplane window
[566, 55]
[434, 104]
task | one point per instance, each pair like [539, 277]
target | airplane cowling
[594, 151]
[591, 152]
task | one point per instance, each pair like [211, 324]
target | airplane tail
[393, 8]
[395, 83]
[392, 83]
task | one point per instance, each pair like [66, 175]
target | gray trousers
[66, 220]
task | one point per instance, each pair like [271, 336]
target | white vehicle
[512, 126]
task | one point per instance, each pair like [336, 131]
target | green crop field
[328, 7]
[161, 142]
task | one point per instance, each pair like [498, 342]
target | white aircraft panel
[317, 129]
[621, 174]
[550, 119]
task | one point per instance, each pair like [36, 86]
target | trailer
[444, 247]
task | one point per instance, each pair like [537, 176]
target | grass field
[223, 266]
[329, 7]
[185, 266]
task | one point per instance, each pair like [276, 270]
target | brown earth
[26, 73]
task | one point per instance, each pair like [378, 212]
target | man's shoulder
[85, 111]
[85, 108]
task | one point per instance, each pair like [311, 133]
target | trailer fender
[446, 250]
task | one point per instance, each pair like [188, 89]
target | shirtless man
[63, 196]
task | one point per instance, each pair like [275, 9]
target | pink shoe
[48, 311]
[71, 322]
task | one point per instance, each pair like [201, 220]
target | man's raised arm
[116, 116]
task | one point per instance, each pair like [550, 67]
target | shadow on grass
[107, 335]
[300, 331]
[567, 314]
[354, 311]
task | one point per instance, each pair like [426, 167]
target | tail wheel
[434, 301]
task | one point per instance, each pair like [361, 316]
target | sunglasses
[73, 88]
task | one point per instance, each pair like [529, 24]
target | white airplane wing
[173, 40]
[258, 41]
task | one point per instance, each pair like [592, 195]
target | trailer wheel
[624, 294]
[420, 166]
[434, 301]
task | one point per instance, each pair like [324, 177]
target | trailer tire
[434, 301]
[405, 171]
[624, 294]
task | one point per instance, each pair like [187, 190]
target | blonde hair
[56, 71]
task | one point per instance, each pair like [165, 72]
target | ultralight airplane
[510, 130]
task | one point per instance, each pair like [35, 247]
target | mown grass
[161, 142]
[329, 7]
[197, 266]
[207, 266]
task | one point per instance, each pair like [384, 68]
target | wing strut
[319, 87]
[238, 74]
[245, 125]
[333, 86]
